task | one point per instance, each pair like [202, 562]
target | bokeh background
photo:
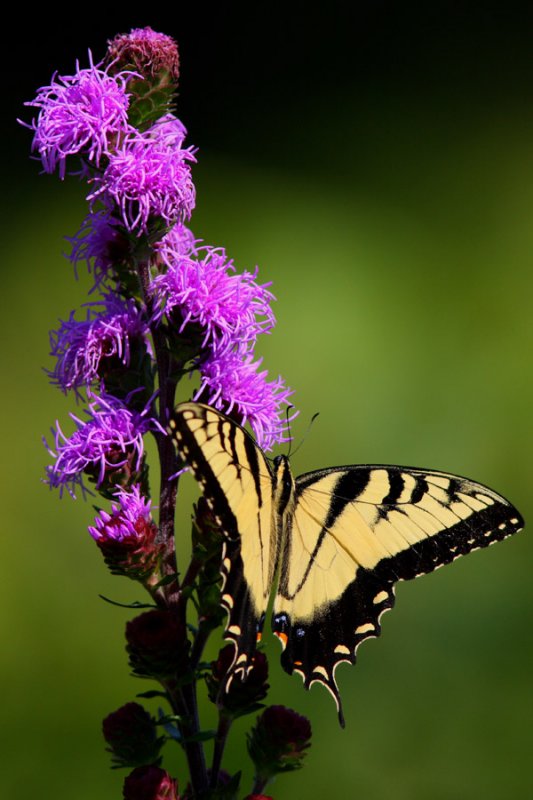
[376, 161]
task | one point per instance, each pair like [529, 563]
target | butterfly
[336, 541]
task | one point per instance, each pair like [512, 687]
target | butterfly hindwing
[237, 485]
[355, 532]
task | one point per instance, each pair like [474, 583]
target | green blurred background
[376, 161]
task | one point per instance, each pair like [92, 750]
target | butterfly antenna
[306, 434]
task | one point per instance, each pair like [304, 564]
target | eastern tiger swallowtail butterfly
[337, 540]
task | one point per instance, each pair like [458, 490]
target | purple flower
[234, 385]
[111, 439]
[231, 308]
[80, 346]
[130, 518]
[149, 178]
[127, 536]
[100, 244]
[81, 114]
[177, 242]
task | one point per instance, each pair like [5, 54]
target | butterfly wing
[236, 481]
[355, 532]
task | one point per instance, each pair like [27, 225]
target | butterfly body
[337, 540]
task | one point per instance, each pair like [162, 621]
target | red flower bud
[278, 742]
[157, 644]
[131, 735]
[150, 783]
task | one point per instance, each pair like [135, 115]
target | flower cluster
[151, 272]
[163, 305]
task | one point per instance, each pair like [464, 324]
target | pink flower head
[80, 346]
[111, 438]
[129, 519]
[236, 386]
[101, 245]
[81, 114]
[233, 309]
[148, 177]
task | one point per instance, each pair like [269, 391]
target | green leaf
[135, 604]
[201, 736]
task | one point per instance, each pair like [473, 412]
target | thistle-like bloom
[130, 519]
[79, 114]
[110, 441]
[235, 386]
[232, 309]
[148, 180]
[177, 242]
[80, 346]
[101, 245]
[127, 536]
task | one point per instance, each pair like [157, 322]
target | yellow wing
[236, 481]
[355, 532]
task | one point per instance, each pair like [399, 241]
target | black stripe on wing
[191, 452]
[244, 627]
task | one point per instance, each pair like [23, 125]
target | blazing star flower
[127, 536]
[111, 438]
[169, 131]
[80, 114]
[148, 179]
[80, 346]
[179, 241]
[232, 309]
[234, 385]
[129, 518]
[100, 244]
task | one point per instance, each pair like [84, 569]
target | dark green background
[376, 161]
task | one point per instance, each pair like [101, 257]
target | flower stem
[168, 487]
[224, 725]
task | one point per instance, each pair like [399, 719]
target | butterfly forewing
[237, 484]
[355, 532]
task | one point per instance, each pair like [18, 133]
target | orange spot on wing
[259, 636]
[282, 637]
[298, 663]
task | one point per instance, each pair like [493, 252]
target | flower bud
[127, 536]
[154, 57]
[157, 644]
[131, 735]
[278, 742]
[242, 697]
[150, 783]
